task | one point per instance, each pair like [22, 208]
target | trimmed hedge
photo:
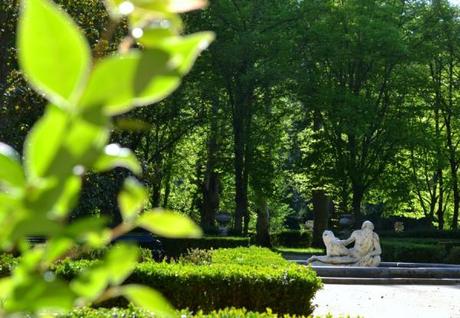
[292, 238]
[284, 289]
[177, 247]
[133, 312]
[434, 234]
[402, 251]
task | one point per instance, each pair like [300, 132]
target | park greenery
[352, 101]
[292, 110]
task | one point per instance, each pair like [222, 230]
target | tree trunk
[321, 216]
[240, 115]
[358, 194]
[211, 186]
[440, 212]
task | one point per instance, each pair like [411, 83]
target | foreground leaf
[169, 224]
[52, 51]
[11, 171]
[119, 83]
[148, 299]
[131, 199]
[115, 156]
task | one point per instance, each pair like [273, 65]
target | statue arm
[377, 248]
[349, 240]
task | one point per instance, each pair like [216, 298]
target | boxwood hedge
[284, 289]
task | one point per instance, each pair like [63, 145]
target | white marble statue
[365, 252]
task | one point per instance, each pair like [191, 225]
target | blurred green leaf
[115, 156]
[131, 199]
[40, 293]
[119, 83]
[68, 198]
[91, 283]
[56, 247]
[120, 262]
[169, 224]
[52, 51]
[40, 146]
[184, 49]
[148, 299]
[11, 171]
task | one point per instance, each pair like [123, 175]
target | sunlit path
[375, 301]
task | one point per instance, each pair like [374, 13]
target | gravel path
[389, 301]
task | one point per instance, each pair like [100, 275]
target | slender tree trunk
[450, 145]
[358, 195]
[320, 201]
[211, 178]
[241, 205]
[440, 212]
[240, 117]
[167, 189]
[321, 215]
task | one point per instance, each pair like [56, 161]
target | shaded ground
[389, 301]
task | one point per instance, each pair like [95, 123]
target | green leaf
[52, 51]
[131, 199]
[148, 299]
[120, 262]
[68, 197]
[11, 171]
[169, 224]
[41, 147]
[40, 293]
[115, 156]
[76, 140]
[184, 49]
[91, 283]
[119, 83]
[57, 247]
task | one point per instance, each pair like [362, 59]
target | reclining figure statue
[365, 252]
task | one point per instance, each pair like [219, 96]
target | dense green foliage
[357, 99]
[286, 289]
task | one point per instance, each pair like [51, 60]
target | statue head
[328, 236]
[367, 225]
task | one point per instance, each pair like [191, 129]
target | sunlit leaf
[52, 51]
[11, 171]
[184, 49]
[118, 264]
[119, 83]
[148, 299]
[91, 283]
[57, 247]
[120, 261]
[40, 293]
[131, 199]
[41, 147]
[115, 156]
[169, 224]
[68, 198]
[186, 5]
